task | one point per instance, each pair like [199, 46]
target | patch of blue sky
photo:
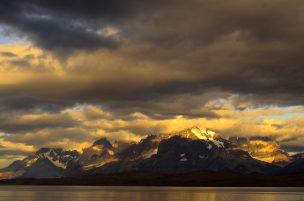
[286, 116]
[6, 38]
[290, 112]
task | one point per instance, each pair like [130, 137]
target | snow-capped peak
[206, 134]
[203, 134]
[198, 133]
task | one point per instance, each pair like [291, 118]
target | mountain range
[190, 150]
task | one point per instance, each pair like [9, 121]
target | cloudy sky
[73, 71]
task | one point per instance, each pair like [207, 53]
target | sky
[74, 71]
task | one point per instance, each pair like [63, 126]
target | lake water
[93, 193]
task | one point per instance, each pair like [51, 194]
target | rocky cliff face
[262, 148]
[178, 154]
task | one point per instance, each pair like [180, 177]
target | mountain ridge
[189, 150]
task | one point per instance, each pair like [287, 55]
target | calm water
[89, 193]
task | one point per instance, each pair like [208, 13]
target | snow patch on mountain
[57, 157]
[183, 159]
[206, 134]
[202, 157]
[219, 144]
[203, 134]
[197, 132]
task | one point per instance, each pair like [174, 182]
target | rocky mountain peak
[104, 142]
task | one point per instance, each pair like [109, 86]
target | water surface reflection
[93, 193]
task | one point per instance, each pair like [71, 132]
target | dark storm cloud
[253, 49]
[65, 26]
[52, 135]
[11, 154]
[19, 63]
[293, 148]
[87, 9]
[25, 123]
[7, 54]
[26, 104]
[59, 28]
